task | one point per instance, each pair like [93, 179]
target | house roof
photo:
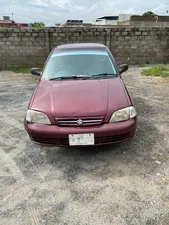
[14, 25]
[150, 18]
[7, 21]
[108, 18]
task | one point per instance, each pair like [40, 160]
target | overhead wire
[37, 19]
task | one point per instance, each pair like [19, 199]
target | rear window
[69, 63]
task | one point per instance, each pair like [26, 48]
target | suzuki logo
[79, 122]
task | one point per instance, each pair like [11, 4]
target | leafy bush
[38, 25]
[149, 13]
[160, 71]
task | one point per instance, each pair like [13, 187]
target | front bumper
[104, 134]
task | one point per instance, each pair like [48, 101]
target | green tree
[149, 13]
[38, 25]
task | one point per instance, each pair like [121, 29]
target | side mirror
[123, 68]
[36, 71]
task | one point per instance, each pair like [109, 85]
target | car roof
[78, 46]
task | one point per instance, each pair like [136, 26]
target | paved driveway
[122, 184]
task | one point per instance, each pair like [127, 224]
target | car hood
[80, 98]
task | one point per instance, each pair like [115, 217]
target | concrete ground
[122, 184]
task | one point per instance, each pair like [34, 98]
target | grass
[21, 69]
[156, 71]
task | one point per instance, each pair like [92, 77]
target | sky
[58, 11]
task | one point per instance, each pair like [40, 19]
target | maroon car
[80, 99]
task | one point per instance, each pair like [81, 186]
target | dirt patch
[157, 81]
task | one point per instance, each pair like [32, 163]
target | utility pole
[12, 16]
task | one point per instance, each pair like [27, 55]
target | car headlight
[123, 114]
[33, 116]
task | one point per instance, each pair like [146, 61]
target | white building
[124, 17]
[106, 20]
[112, 20]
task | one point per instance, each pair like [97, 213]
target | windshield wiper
[84, 77]
[99, 75]
[66, 77]
[69, 77]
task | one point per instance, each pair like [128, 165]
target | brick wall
[20, 46]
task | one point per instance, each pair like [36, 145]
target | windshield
[78, 63]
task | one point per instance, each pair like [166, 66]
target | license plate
[81, 139]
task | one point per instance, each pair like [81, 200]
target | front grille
[74, 122]
[98, 140]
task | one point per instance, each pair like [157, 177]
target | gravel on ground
[122, 184]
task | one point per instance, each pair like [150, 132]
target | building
[6, 19]
[121, 19]
[7, 22]
[124, 17]
[106, 20]
[162, 21]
